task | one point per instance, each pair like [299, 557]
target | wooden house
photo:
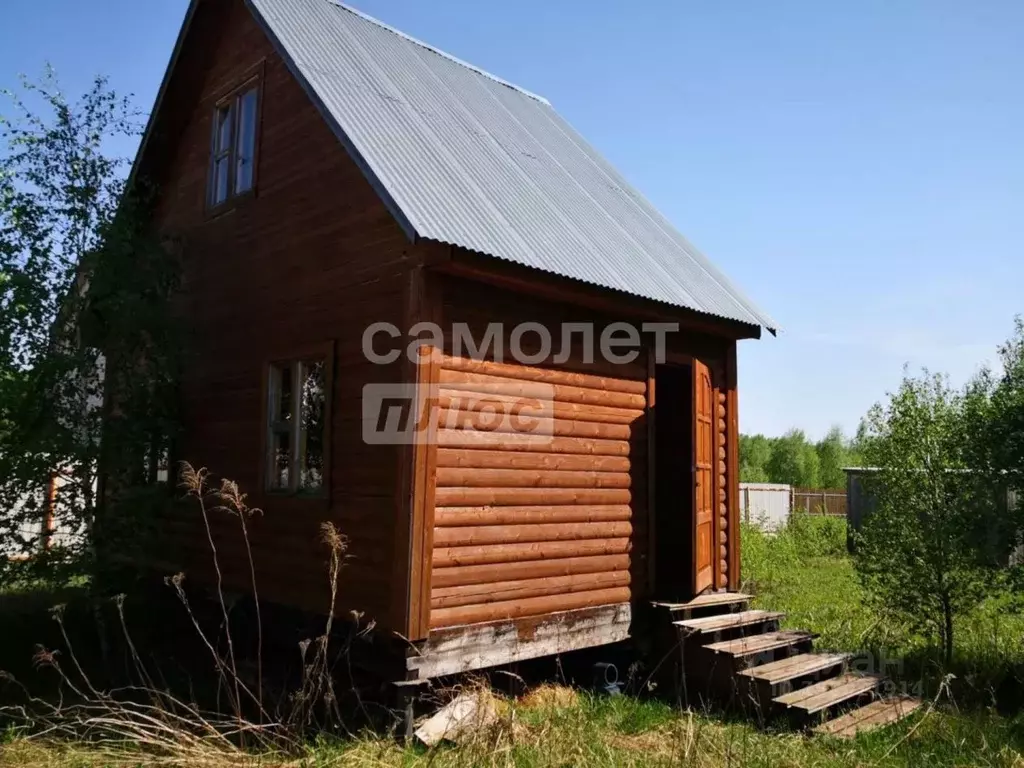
[331, 180]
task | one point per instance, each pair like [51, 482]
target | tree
[85, 289]
[833, 455]
[919, 551]
[1003, 440]
[794, 461]
[755, 450]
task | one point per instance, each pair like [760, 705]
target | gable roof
[465, 158]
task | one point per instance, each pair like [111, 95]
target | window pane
[282, 394]
[245, 151]
[224, 120]
[312, 437]
[279, 470]
[220, 181]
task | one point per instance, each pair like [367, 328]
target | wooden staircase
[734, 655]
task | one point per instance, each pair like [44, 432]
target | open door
[703, 477]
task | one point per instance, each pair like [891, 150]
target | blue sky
[857, 168]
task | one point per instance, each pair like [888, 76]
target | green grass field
[804, 572]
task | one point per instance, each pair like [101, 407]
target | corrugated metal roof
[466, 158]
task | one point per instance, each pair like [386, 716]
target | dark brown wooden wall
[308, 262]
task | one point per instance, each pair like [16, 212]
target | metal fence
[766, 505]
[769, 505]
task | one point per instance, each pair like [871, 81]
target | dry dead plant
[145, 720]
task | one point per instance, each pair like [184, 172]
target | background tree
[1004, 437]
[755, 450]
[84, 293]
[833, 455]
[794, 461]
[918, 550]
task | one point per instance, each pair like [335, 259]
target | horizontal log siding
[311, 259]
[526, 526]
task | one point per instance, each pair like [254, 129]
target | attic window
[234, 144]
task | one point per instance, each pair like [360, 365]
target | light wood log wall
[525, 527]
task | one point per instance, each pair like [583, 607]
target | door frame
[722, 374]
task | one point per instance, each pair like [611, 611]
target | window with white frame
[233, 150]
[297, 426]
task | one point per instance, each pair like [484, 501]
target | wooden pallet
[877, 714]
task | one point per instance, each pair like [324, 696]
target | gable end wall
[310, 261]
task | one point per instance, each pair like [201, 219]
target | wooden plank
[473, 400]
[708, 600]
[465, 649]
[564, 393]
[828, 693]
[567, 566]
[728, 621]
[449, 597]
[733, 464]
[427, 508]
[795, 666]
[446, 557]
[539, 428]
[531, 515]
[546, 375]
[751, 646]
[517, 497]
[877, 714]
[535, 606]
[652, 488]
[485, 459]
[521, 534]
[455, 438]
[457, 477]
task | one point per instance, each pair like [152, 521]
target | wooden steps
[727, 621]
[737, 655]
[747, 647]
[795, 666]
[877, 714]
[829, 693]
[726, 601]
[779, 677]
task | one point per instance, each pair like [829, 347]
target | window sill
[230, 205]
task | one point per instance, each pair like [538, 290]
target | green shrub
[768, 559]
[818, 535]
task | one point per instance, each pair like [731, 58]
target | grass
[806, 572]
[803, 571]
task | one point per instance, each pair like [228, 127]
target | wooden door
[703, 477]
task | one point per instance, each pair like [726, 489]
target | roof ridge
[438, 51]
